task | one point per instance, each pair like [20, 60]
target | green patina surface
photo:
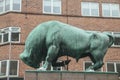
[53, 39]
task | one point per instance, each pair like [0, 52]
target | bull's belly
[74, 53]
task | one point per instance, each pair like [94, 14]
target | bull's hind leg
[97, 58]
[51, 55]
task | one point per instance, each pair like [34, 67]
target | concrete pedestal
[69, 75]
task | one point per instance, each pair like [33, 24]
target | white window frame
[92, 64]
[9, 30]
[110, 8]
[113, 33]
[8, 67]
[11, 7]
[115, 67]
[0, 69]
[52, 1]
[90, 8]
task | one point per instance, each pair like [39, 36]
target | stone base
[69, 75]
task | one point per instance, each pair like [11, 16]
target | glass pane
[117, 41]
[86, 12]
[47, 3]
[94, 9]
[85, 9]
[15, 29]
[94, 12]
[56, 6]
[47, 9]
[3, 67]
[94, 5]
[57, 3]
[87, 64]
[14, 36]
[13, 67]
[105, 6]
[7, 5]
[110, 67]
[5, 37]
[115, 9]
[115, 13]
[85, 5]
[116, 34]
[106, 13]
[56, 9]
[118, 68]
[0, 38]
[106, 9]
[16, 4]
[1, 6]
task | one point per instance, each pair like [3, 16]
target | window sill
[6, 12]
[13, 43]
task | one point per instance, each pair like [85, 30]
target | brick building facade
[19, 17]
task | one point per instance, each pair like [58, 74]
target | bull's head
[30, 59]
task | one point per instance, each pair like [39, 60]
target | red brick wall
[32, 15]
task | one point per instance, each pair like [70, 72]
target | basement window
[113, 67]
[87, 64]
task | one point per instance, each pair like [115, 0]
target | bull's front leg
[51, 55]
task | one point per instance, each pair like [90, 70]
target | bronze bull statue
[53, 39]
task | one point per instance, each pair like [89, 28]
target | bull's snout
[27, 60]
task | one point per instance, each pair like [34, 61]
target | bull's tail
[111, 38]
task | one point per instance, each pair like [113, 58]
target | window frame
[113, 33]
[101, 70]
[9, 31]
[115, 66]
[51, 67]
[10, 7]
[90, 9]
[51, 5]
[110, 9]
[8, 68]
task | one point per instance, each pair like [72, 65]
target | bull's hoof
[89, 70]
[41, 69]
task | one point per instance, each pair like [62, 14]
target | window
[117, 39]
[110, 10]
[1, 6]
[52, 6]
[90, 9]
[9, 67]
[53, 68]
[3, 67]
[116, 36]
[10, 5]
[10, 34]
[110, 67]
[13, 67]
[89, 63]
[113, 67]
